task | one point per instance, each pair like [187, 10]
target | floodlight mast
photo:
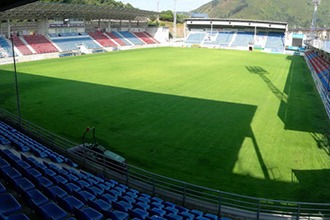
[313, 34]
[174, 21]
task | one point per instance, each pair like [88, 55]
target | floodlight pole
[174, 21]
[16, 83]
[313, 26]
[158, 6]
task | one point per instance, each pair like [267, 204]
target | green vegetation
[297, 13]
[168, 16]
[93, 2]
[243, 122]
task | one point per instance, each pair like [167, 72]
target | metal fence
[181, 193]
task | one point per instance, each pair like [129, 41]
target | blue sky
[181, 5]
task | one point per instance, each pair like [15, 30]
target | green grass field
[242, 122]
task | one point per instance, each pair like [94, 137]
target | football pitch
[244, 122]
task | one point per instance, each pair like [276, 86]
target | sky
[181, 5]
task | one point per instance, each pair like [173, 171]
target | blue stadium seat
[2, 188]
[8, 204]
[211, 216]
[72, 177]
[88, 213]
[34, 174]
[196, 213]
[108, 198]
[122, 206]
[23, 166]
[186, 215]
[169, 209]
[44, 183]
[83, 184]
[158, 212]
[4, 163]
[71, 187]
[117, 215]
[17, 216]
[141, 205]
[10, 173]
[157, 218]
[84, 196]
[36, 198]
[138, 213]
[55, 192]
[51, 211]
[70, 203]
[94, 190]
[100, 205]
[128, 199]
[4, 141]
[23, 185]
[172, 216]
[58, 179]
[104, 186]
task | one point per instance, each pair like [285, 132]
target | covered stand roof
[8, 4]
[41, 10]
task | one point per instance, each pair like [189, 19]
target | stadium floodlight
[313, 26]
[158, 6]
[174, 20]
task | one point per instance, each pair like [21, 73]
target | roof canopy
[41, 10]
[7, 4]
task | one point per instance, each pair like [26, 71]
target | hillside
[298, 13]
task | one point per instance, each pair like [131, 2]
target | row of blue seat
[57, 191]
[24, 143]
[9, 207]
[73, 194]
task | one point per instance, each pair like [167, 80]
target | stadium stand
[222, 39]
[119, 38]
[151, 37]
[21, 46]
[195, 38]
[59, 190]
[71, 41]
[275, 42]
[40, 43]
[131, 37]
[144, 37]
[261, 39]
[243, 39]
[5, 48]
[102, 39]
[320, 67]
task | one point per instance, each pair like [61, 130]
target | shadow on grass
[301, 108]
[319, 179]
[190, 139]
[262, 73]
[304, 110]
[149, 129]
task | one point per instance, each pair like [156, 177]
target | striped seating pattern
[54, 191]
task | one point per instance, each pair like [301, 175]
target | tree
[166, 16]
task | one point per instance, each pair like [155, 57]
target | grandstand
[237, 33]
[41, 179]
[72, 41]
[5, 47]
[53, 187]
